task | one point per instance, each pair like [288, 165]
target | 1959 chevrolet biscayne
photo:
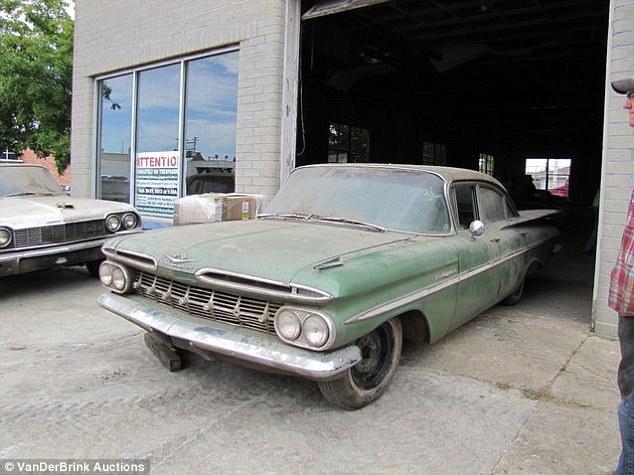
[347, 261]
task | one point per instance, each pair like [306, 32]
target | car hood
[268, 249]
[21, 212]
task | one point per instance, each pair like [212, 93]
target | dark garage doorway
[463, 83]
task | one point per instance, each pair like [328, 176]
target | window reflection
[114, 138]
[157, 152]
[155, 165]
[210, 124]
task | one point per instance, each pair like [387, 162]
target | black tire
[368, 380]
[516, 296]
[93, 267]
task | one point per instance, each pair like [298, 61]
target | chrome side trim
[405, 300]
[134, 259]
[242, 344]
[437, 287]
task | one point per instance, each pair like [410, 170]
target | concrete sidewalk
[525, 389]
[543, 349]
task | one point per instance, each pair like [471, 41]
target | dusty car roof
[449, 174]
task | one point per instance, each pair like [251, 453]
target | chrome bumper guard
[240, 343]
[52, 250]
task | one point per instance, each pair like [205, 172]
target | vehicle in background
[41, 227]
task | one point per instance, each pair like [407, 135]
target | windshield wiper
[286, 215]
[332, 219]
[31, 193]
[21, 193]
[336, 219]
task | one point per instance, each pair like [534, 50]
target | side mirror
[476, 228]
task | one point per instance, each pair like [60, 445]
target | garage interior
[507, 78]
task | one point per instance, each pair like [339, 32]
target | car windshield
[404, 200]
[24, 181]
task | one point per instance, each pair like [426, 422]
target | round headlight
[118, 279]
[316, 331]
[113, 223]
[129, 221]
[5, 237]
[288, 325]
[105, 274]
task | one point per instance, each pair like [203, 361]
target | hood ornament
[177, 260]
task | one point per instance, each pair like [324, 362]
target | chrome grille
[254, 313]
[59, 233]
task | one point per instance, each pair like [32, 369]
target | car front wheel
[368, 380]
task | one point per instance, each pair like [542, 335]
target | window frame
[486, 164]
[438, 154]
[476, 196]
[548, 174]
[135, 72]
[348, 150]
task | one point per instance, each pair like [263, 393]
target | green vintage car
[346, 262]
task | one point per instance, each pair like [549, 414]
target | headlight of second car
[306, 328]
[116, 277]
[122, 221]
[130, 221]
[113, 223]
[6, 236]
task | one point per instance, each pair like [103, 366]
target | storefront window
[210, 124]
[157, 152]
[182, 143]
[114, 138]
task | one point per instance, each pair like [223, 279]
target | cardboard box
[215, 207]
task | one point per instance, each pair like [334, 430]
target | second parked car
[41, 227]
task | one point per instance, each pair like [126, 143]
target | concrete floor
[524, 389]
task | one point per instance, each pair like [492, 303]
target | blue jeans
[625, 379]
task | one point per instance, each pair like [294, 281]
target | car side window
[465, 204]
[492, 207]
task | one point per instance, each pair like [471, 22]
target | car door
[495, 212]
[479, 279]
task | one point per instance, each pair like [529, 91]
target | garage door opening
[479, 85]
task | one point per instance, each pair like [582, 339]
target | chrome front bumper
[16, 262]
[248, 346]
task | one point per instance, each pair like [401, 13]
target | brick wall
[114, 35]
[617, 179]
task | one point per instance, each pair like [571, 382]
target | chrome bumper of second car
[241, 344]
[10, 262]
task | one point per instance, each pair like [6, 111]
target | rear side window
[492, 206]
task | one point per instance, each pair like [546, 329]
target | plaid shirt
[621, 293]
